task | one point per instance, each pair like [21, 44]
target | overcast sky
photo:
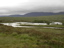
[8, 7]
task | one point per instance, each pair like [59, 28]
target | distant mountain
[42, 14]
[32, 14]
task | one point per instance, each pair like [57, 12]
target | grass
[59, 26]
[55, 18]
[11, 37]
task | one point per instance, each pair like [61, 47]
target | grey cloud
[35, 6]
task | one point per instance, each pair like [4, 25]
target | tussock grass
[31, 37]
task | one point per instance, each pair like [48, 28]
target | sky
[11, 7]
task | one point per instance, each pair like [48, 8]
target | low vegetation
[55, 18]
[36, 37]
[58, 26]
[11, 37]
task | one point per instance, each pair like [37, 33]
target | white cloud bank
[8, 7]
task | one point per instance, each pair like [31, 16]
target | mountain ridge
[33, 14]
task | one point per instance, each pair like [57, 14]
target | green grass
[11, 37]
[31, 37]
[59, 26]
[55, 18]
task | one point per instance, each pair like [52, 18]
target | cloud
[8, 7]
